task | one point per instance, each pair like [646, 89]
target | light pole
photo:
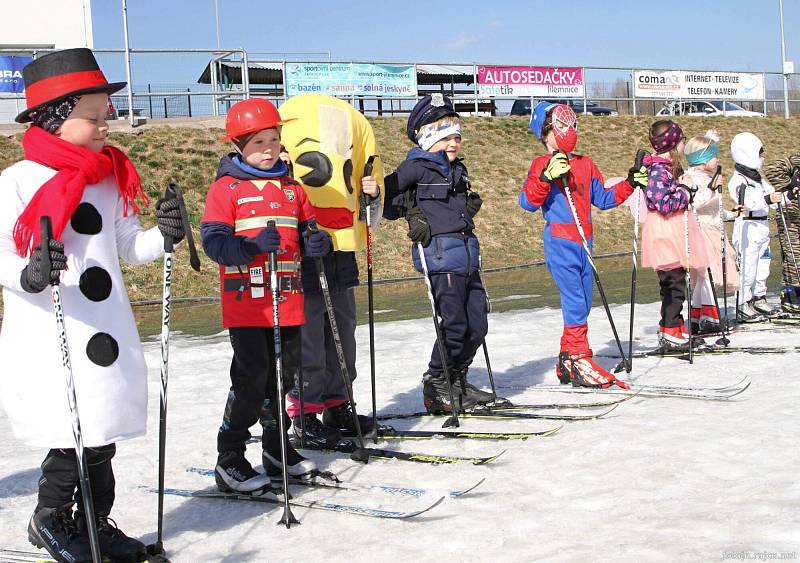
[216, 19]
[131, 116]
[785, 67]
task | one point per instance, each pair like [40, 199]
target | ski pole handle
[639, 162]
[47, 234]
[716, 175]
[170, 193]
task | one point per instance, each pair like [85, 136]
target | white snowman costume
[107, 360]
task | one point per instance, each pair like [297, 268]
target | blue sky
[730, 35]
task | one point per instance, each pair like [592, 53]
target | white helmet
[746, 150]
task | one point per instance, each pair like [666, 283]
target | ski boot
[564, 368]
[296, 466]
[705, 320]
[480, 396]
[584, 372]
[234, 473]
[318, 436]
[747, 314]
[114, 544]
[341, 418]
[55, 530]
[790, 300]
[436, 394]
[761, 305]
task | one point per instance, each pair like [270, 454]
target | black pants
[673, 294]
[60, 483]
[461, 304]
[253, 396]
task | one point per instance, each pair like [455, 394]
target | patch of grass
[497, 151]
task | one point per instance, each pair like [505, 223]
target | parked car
[523, 106]
[706, 108]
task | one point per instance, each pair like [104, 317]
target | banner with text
[351, 79]
[530, 82]
[11, 73]
[694, 85]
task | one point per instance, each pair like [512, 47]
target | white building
[31, 25]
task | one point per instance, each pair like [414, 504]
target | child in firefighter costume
[330, 143]
[555, 125]
[88, 191]
[253, 190]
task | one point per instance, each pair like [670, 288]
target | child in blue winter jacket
[432, 190]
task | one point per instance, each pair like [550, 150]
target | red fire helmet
[250, 116]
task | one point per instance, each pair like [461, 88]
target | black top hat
[58, 75]
[430, 108]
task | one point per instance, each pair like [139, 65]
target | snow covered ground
[657, 480]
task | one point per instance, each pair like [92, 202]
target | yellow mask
[330, 143]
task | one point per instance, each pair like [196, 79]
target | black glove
[268, 240]
[795, 181]
[37, 275]
[317, 243]
[418, 228]
[168, 219]
[474, 203]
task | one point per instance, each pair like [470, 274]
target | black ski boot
[234, 473]
[478, 395]
[114, 544]
[318, 436]
[296, 466]
[341, 418]
[55, 530]
[790, 299]
[436, 394]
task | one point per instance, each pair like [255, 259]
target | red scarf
[60, 195]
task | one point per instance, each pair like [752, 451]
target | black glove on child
[37, 275]
[268, 240]
[418, 228]
[168, 219]
[317, 243]
[474, 203]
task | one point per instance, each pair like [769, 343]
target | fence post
[189, 101]
[633, 90]
[150, 100]
[475, 85]
[214, 86]
[764, 82]
[165, 108]
[283, 78]
[583, 72]
[245, 75]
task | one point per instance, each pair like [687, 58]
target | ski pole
[574, 212]
[370, 301]
[287, 518]
[640, 154]
[789, 242]
[80, 452]
[723, 251]
[488, 310]
[688, 272]
[361, 453]
[453, 420]
[740, 255]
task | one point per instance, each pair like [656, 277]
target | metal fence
[166, 84]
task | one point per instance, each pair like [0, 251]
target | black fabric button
[86, 220]
[95, 284]
[102, 349]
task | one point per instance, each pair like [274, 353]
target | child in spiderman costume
[555, 125]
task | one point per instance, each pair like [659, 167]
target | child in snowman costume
[88, 190]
